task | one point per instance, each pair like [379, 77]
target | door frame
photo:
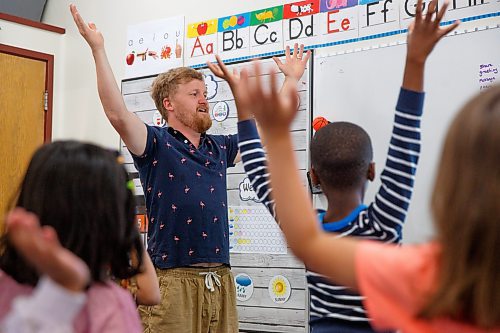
[49, 80]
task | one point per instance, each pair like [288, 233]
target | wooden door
[23, 118]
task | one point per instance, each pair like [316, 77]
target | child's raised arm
[39, 245]
[275, 113]
[130, 128]
[251, 150]
[393, 198]
[423, 34]
[59, 295]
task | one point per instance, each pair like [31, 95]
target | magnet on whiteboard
[158, 120]
[244, 287]
[279, 289]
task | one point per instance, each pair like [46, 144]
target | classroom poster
[266, 30]
[234, 36]
[338, 20]
[377, 17]
[252, 229]
[300, 23]
[408, 8]
[458, 9]
[154, 47]
[201, 42]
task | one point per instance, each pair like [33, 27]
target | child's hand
[295, 64]
[41, 248]
[274, 111]
[220, 70]
[233, 79]
[89, 31]
[424, 32]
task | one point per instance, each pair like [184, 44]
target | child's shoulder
[10, 286]
[111, 306]
[107, 292]
[10, 289]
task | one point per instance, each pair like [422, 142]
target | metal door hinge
[46, 101]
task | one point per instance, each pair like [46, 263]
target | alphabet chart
[153, 47]
[316, 24]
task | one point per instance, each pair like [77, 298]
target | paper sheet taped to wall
[253, 230]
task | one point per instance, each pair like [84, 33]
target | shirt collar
[181, 137]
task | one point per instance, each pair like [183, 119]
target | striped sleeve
[392, 200]
[254, 163]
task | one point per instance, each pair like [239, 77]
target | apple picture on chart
[130, 58]
[202, 28]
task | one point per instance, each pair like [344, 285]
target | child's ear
[371, 171]
[314, 177]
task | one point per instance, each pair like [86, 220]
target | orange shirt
[396, 282]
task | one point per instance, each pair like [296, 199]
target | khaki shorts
[189, 305]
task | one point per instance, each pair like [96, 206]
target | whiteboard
[362, 87]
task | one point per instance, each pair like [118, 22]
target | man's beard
[197, 122]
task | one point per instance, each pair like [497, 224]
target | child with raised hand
[448, 285]
[82, 192]
[341, 159]
[60, 294]
[249, 141]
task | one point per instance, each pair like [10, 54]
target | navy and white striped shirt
[382, 220]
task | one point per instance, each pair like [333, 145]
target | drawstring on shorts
[210, 277]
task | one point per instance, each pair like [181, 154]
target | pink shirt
[109, 308]
[396, 281]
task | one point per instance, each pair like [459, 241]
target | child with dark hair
[83, 193]
[342, 156]
[341, 162]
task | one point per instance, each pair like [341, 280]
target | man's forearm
[110, 95]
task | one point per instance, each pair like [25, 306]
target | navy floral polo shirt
[186, 197]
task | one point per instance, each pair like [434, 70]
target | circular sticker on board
[158, 119]
[279, 289]
[220, 111]
[244, 287]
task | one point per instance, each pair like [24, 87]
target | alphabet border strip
[352, 40]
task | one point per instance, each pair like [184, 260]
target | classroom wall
[77, 111]
[79, 114]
